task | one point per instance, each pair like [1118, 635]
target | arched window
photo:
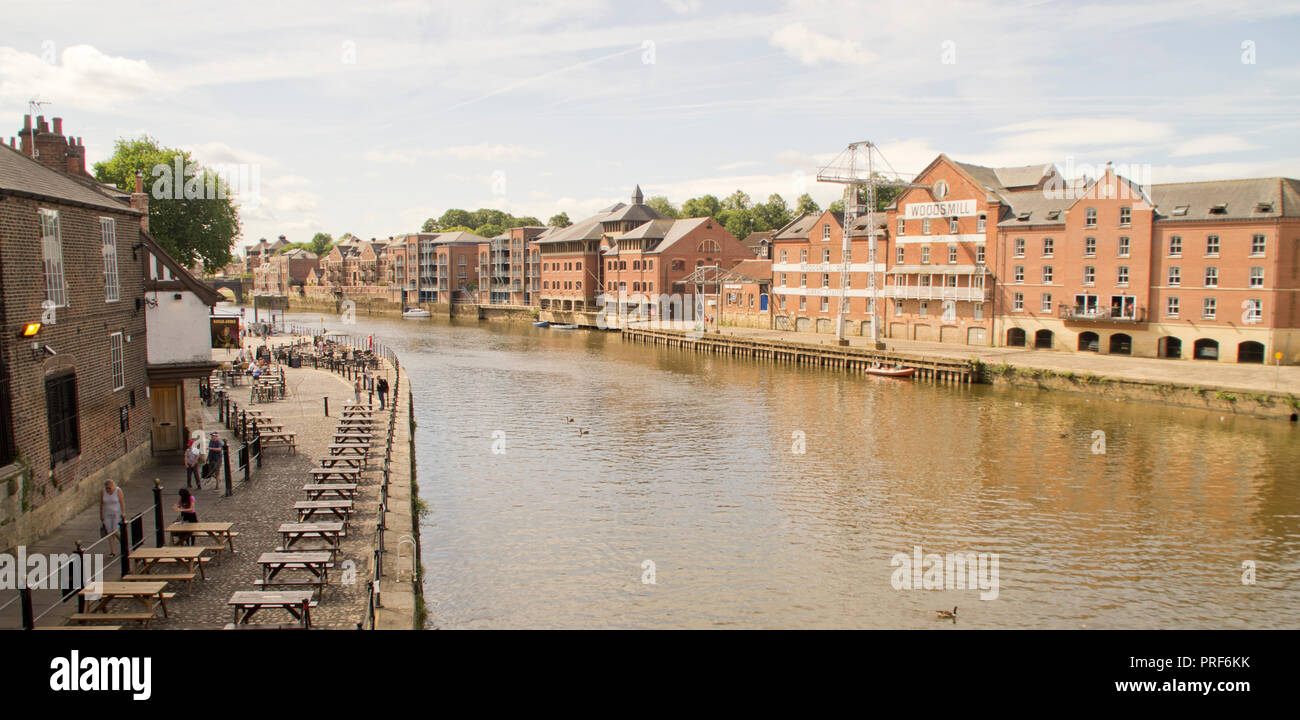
[1043, 339]
[709, 246]
[1250, 352]
[1015, 337]
[1121, 344]
[1089, 342]
[1205, 349]
[1170, 347]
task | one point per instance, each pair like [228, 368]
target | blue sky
[368, 118]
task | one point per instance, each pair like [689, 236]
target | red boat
[898, 372]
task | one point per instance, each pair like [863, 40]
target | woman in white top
[112, 508]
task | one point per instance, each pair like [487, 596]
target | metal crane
[861, 165]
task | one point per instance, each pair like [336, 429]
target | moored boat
[542, 323]
[415, 313]
[898, 372]
[564, 327]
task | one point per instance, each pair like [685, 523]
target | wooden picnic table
[190, 556]
[218, 531]
[358, 413]
[317, 564]
[352, 439]
[343, 474]
[308, 509]
[248, 603]
[329, 532]
[343, 491]
[145, 593]
[350, 449]
[343, 460]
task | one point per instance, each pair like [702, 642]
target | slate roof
[21, 175]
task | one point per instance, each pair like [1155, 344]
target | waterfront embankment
[257, 493]
[1257, 390]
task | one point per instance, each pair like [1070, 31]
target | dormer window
[1053, 214]
[1181, 210]
[1219, 209]
[1022, 217]
[1264, 207]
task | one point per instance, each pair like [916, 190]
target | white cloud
[481, 152]
[86, 77]
[1210, 145]
[813, 48]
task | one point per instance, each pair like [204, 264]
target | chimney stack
[140, 200]
[58, 126]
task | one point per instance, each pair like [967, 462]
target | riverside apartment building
[1023, 257]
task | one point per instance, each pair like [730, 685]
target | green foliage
[321, 243]
[805, 205]
[1293, 401]
[1227, 396]
[704, 206]
[560, 220]
[665, 208]
[489, 230]
[188, 229]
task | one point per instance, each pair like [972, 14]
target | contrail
[526, 81]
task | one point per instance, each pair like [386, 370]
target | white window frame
[1174, 277]
[1260, 241]
[1171, 307]
[952, 226]
[1213, 244]
[1047, 274]
[112, 282]
[980, 224]
[1018, 302]
[117, 360]
[56, 288]
[1211, 276]
[1018, 274]
[925, 226]
[1018, 247]
[1125, 246]
[952, 254]
[1175, 246]
[1121, 275]
[1089, 275]
[902, 225]
[1209, 308]
[925, 254]
[1257, 276]
[1045, 304]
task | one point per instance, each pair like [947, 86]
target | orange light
[31, 329]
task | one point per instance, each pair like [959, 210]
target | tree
[489, 230]
[560, 220]
[488, 216]
[321, 243]
[663, 207]
[772, 214]
[807, 205]
[526, 221]
[704, 206]
[453, 218]
[429, 225]
[738, 200]
[202, 225]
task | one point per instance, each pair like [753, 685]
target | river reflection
[691, 461]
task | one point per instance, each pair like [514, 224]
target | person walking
[356, 390]
[112, 508]
[192, 464]
[216, 448]
[382, 388]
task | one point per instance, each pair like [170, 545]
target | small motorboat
[564, 327]
[542, 323]
[898, 372]
[415, 313]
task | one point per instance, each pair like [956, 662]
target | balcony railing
[1102, 314]
[935, 292]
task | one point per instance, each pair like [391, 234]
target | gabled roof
[758, 237]
[797, 229]
[1034, 207]
[1249, 199]
[459, 237]
[754, 269]
[209, 296]
[23, 176]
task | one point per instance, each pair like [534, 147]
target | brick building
[570, 257]
[73, 396]
[284, 272]
[647, 261]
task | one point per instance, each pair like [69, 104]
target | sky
[369, 118]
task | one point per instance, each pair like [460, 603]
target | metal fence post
[158, 513]
[124, 544]
[327, 406]
[29, 618]
[246, 452]
[81, 561]
[225, 459]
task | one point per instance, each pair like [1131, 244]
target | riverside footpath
[373, 582]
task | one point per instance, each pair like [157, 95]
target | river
[576, 481]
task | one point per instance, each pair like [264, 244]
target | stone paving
[257, 508]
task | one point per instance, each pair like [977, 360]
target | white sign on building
[951, 208]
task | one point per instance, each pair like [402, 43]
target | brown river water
[692, 462]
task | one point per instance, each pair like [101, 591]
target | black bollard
[158, 513]
[225, 459]
[124, 544]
